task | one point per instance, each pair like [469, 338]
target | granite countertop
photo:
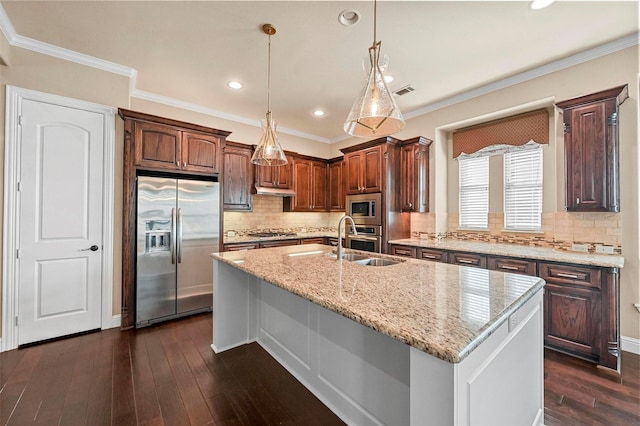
[283, 235]
[444, 310]
[513, 250]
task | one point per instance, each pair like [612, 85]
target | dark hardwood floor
[167, 374]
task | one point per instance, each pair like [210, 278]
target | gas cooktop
[271, 234]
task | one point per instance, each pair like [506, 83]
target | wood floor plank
[167, 375]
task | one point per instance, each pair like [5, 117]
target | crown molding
[166, 100]
[48, 49]
[579, 58]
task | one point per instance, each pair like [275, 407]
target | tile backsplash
[267, 214]
[559, 230]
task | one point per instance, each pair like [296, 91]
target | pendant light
[269, 152]
[375, 112]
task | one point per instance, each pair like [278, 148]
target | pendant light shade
[374, 112]
[269, 152]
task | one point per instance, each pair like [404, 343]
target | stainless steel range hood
[277, 192]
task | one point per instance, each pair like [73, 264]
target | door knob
[92, 248]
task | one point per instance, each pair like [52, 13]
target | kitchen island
[410, 343]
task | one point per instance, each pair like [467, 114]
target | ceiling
[189, 51]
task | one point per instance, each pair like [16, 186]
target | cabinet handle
[560, 274]
[510, 268]
[577, 200]
[469, 261]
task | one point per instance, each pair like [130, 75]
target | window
[474, 192]
[523, 190]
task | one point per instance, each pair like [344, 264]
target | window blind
[523, 190]
[474, 192]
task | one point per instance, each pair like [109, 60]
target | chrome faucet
[353, 225]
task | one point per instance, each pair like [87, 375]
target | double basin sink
[366, 260]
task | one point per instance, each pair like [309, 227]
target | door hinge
[17, 322]
[19, 187]
[20, 120]
[18, 254]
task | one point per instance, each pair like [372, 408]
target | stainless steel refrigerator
[178, 228]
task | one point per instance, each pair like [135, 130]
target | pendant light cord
[269, 78]
[375, 14]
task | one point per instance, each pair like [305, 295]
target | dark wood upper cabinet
[309, 185]
[154, 145]
[364, 170]
[200, 153]
[238, 177]
[158, 146]
[591, 150]
[279, 177]
[336, 185]
[414, 179]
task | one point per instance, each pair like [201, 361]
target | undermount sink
[353, 257]
[374, 261]
[362, 259]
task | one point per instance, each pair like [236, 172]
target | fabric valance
[516, 130]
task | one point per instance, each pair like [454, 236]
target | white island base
[368, 378]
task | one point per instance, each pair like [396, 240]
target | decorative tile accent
[560, 230]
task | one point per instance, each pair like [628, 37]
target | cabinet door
[200, 153]
[157, 146]
[302, 185]
[372, 170]
[353, 174]
[336, 186]
[238, 178]
[586, 157]
[319, 186]
[572, 316]
[408, 178]
[274, 176]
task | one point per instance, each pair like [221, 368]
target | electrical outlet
[513, 321]
[602, 249]
[580, 247]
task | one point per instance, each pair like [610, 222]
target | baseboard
[629, 344]
[115, 321]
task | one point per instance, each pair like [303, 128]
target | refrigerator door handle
[173, 235]
[180, 235]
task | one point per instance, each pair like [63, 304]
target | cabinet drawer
[434, 255]
[468, 259]
[571, 274]
[516, 266]
[240, 246]
[315, 241]
[403, 251]
[279, 243]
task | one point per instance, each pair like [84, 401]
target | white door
[60, 221]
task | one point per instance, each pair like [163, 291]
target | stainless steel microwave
[365, 209]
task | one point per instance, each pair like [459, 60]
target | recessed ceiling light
[318, 113]
[349, 17]
[540, 4]
[234, 85]
[388, 78]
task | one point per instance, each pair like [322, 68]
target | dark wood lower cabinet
[582, 313]
[581, 303]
